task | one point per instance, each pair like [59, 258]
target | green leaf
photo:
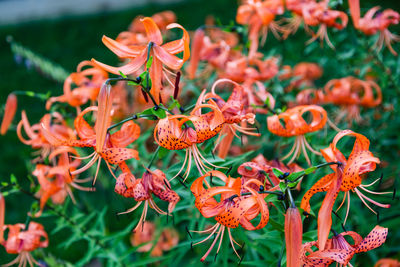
[282, 186]
[277, 172]
[13, 179]
[174, 104]
[123, 75]
[310, 170]
[159, 112]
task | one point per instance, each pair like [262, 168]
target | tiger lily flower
[295, 125]
[142, 190]
[259, 15]
[136, 33]
[304, 74]
[350, 93]
[169, 134]
[242, 68]
[88, 83]
[374, 22]
[56, 181]
[55, 124]
[318, 13]
[386, 262]
[339, 250]
[256, 94]
[162, 54]
[111, 148]
[259, 163]
[231, 210]
[233, 111]
[9, 113]
[346, 177]
[168, 239]
[216, 49]
[20, 240]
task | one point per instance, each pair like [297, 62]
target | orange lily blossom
[112, 148]
[9, 113]
[216, 48]
[136, 33]
[386, 262]
[88, 82]
[54, 122]
[339, 250]
[295, 125]
[293, 236]
[142, 190]
[318, 13]
[233, 111]
[56, 181]
[346, 177]
[168, 239]
[20, 240]
[232, 209]
[374, 22]
[162, 54]
[169, 134]
[256, 94]
[350, 93]
[259, 15]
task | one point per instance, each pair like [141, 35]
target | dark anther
[380, 179]
[173, 219]
[187, 230]
[258, 130]
[340, 164]
[261, 188]
[215, 257]
[182, 110]
[134, 117]
[232, 197]
[138, 79]
[305, 213]
[394, 193]
[212, 153]
[176, 89]
[181, 181]
[337, 215]
[377, 216]
[241, 140]
[167, 185]
[344, 228]
[229, 170]
[211, 179]
[281, 197]
[191, 246]
[156, 108]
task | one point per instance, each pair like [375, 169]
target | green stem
[289, 194]
[134, 117]
[154, 157]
